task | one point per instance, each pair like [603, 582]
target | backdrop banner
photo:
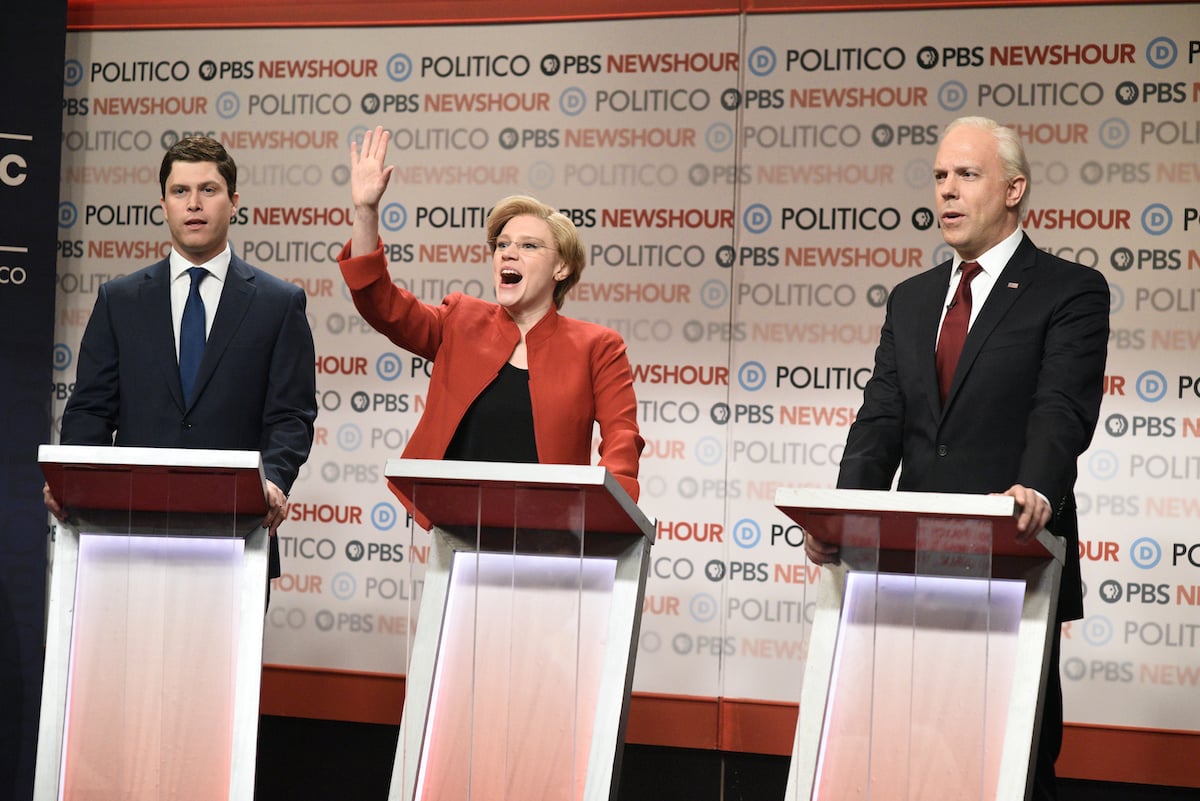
[748, 197]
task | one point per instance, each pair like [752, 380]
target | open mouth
[510, 277]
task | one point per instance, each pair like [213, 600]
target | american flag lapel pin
[1013, 284]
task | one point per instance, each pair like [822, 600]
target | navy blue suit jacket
[1023, 404]
[256, 388]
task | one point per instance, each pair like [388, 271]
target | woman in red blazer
[512, 380]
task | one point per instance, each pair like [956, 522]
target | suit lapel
[236, 296]
[154, 296]
[1015, 279]
[928, 322]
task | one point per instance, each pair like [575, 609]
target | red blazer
[578, 371]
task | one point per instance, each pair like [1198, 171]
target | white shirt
[991, 264]
[210, 288]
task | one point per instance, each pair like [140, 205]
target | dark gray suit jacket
[1023, 405]
[256, 389]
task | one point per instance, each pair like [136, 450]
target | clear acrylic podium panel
[913, 662]
[527, 621]
[148, 616]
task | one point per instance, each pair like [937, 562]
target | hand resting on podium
[1032, 510]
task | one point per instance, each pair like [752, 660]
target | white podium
[930, 641]
[522, 663]
[155, 625]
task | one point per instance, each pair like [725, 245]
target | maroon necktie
[954, 328]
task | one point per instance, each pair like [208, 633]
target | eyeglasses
[524, 246]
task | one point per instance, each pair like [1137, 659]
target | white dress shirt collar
[217, 266]
[994, 260]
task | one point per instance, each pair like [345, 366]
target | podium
[521, 667]
[155, 625]
[928, 647]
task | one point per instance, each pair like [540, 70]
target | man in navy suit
[253, 382]
[1022, 402]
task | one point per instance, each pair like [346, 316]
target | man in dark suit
[1022, 403]
[252, 380]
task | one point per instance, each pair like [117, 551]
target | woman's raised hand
[368, 175]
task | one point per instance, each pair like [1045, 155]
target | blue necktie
[191, 334]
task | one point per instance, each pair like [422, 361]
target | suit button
[942, 450]
[186, 425]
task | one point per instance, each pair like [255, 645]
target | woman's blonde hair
[566, 237]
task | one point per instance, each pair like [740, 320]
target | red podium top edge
[505, 495]
[835, 516]
[176, 480]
